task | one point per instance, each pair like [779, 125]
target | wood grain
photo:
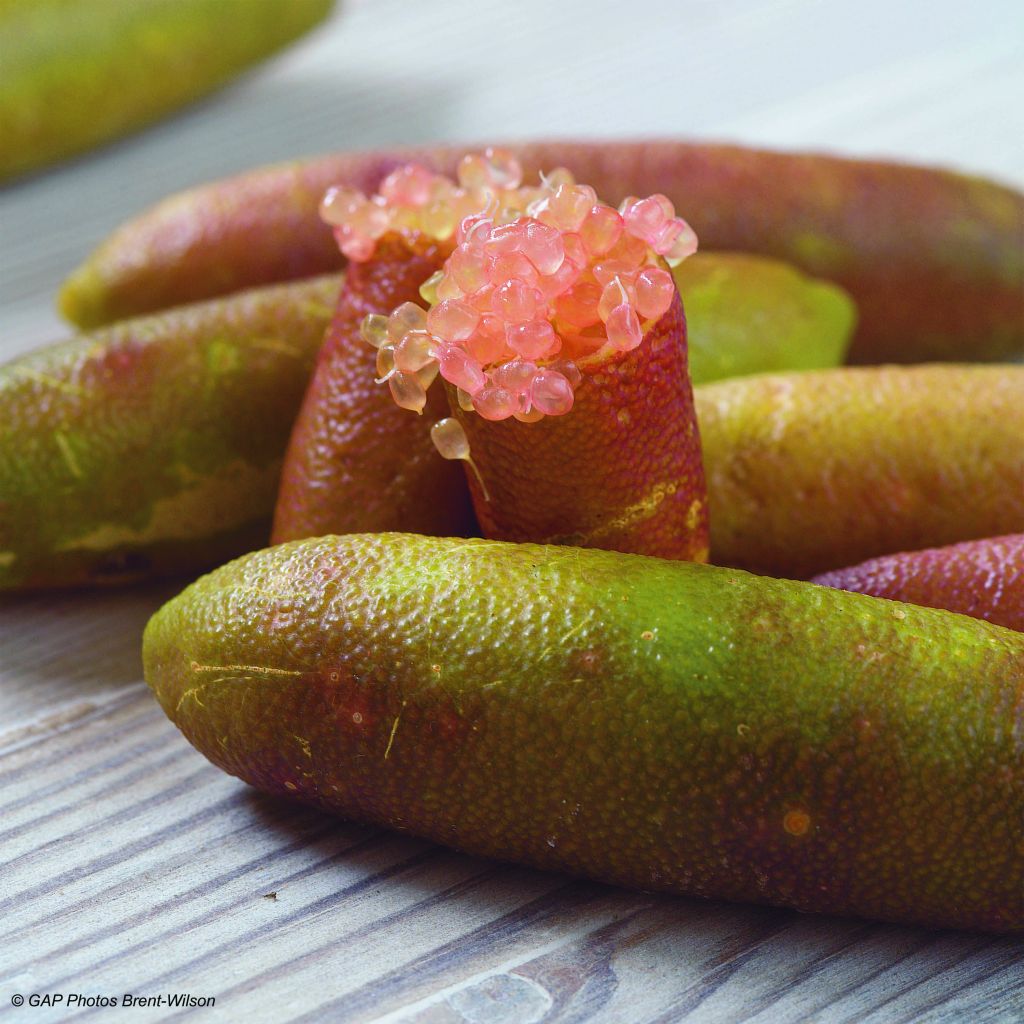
[129, 864]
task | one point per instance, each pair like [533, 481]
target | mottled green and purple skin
[981, 578]
[621, 470]
[662, 725]
[153, 447]
[932, 258]
[812, 471]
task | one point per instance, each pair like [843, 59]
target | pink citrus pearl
[654, 291]
[468, 268]
[534, 339]
[515, 301]
[482, 299]
[408, 186]
[544, 247]
[473, 230]
[452, 320]
[601, 229]
[623, 328]
[513, 265]
[645, 218]
[505, 170]
[339, 204]
[568, 206]
[516, 375]
[607, 270]
[615, 292]
[414, 351]
[462, 370]
[684, 245]
[488, 342]
[505, 239]
[551, 393]
[495, 403]
[356, 247]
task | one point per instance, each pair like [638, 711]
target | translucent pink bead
[551, 393]
[607, 270]
[569, 370]
[406, 317]
[452, 320]
[473, 172]
[615, 293]
[645, 218]
[505, 170]
[575, 250]
[513, 265]
[488, 342]
[468, 268]
[339, 204]
[535, 339]
[684, 245]
[544, 247]
[654, 291]
[568, 206]
[407, 391]
[357, 248]
[516, 375]
[482, 299]
[462, 370]
[414, 351]
[495, 403]
[473, 230]
[623, 328]
[504, 239]
[515, 301]
[601, 229]
[410, 185]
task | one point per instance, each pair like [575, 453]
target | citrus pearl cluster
[413, 200]
[538, 278]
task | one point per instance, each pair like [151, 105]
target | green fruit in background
[75, 73]
[155, 446]
[663, 725]
[748, 314]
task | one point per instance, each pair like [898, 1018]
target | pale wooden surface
[131, 865]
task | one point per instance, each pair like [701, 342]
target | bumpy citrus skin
[356, 461]
[663, 725]
[932, 258]
[748, 314]
[813, 471]
[621, 471]
[983, 578]
[155, 446]
[81, 72]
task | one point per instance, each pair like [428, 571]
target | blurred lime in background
[76, 73]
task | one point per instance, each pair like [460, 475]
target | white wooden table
[130, 865]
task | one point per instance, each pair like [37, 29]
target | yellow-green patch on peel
[662, 725]
[154, 446]
[814, 471]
